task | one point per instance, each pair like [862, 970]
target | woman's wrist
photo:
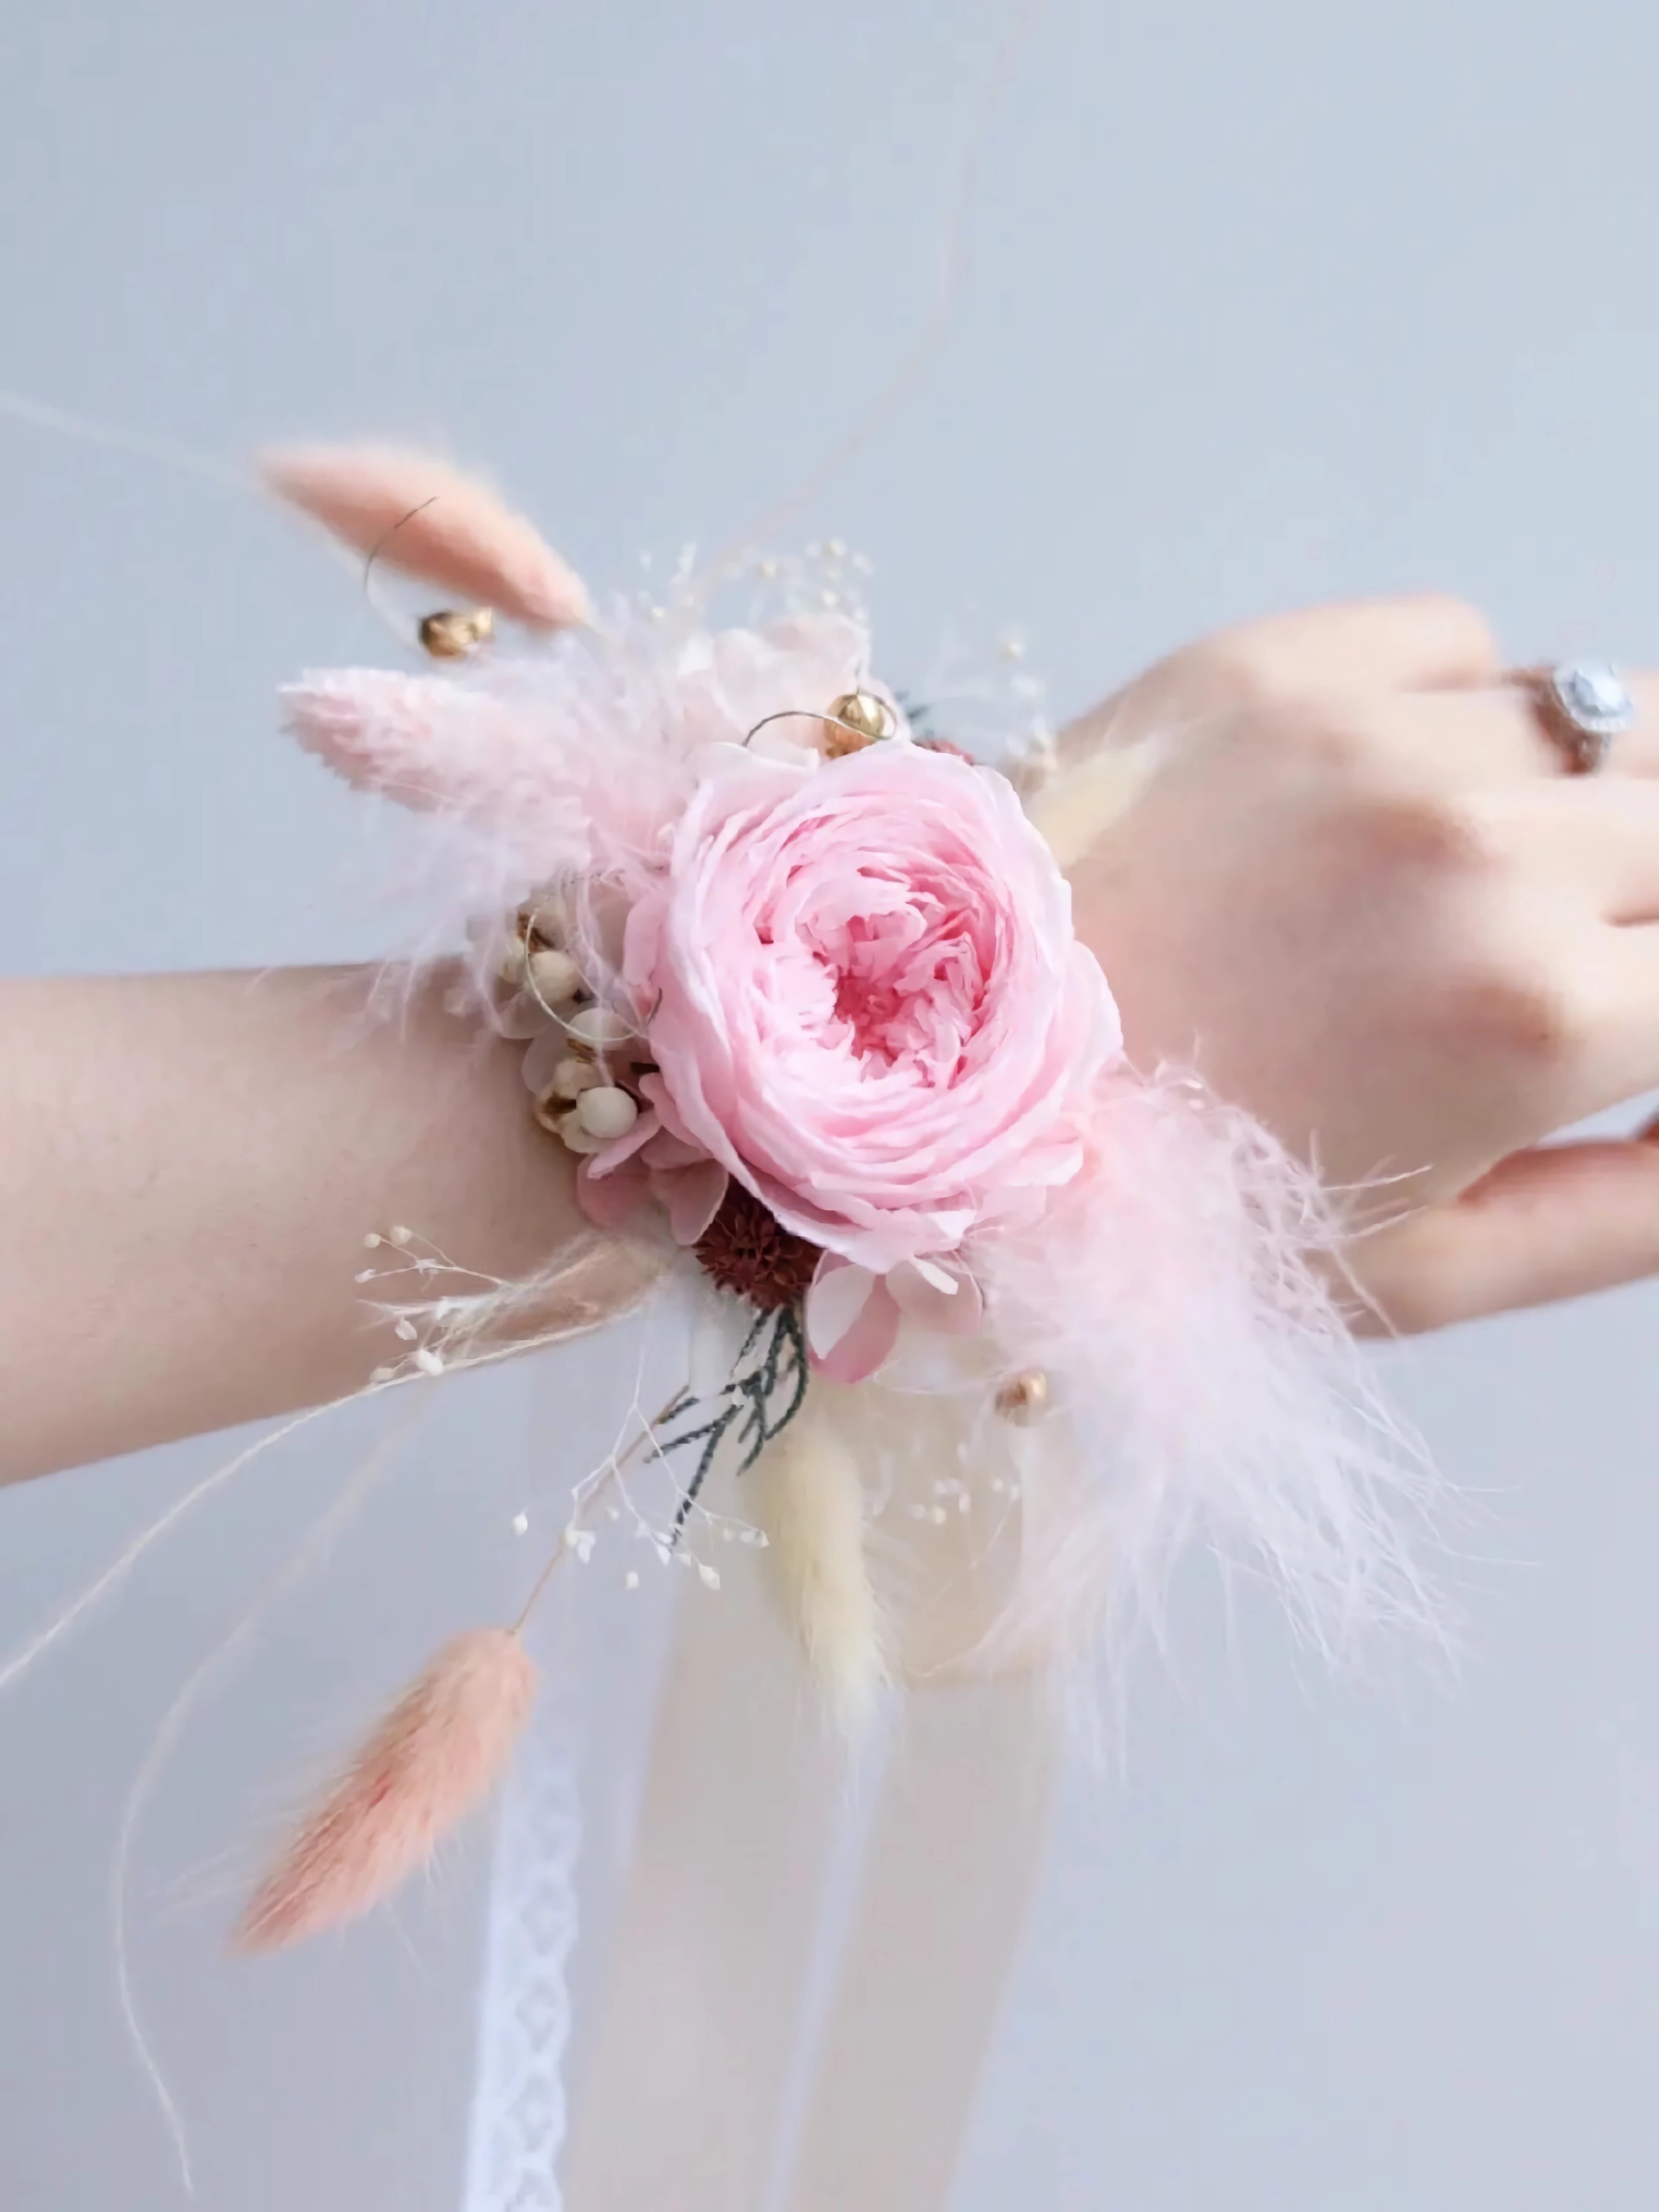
[190, 1166]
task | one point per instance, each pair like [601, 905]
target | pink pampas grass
[434, 1756]
[429, 521]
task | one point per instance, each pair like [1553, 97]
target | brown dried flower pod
[745, 1249]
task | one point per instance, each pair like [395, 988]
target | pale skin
[1356, 886]
[1365, 898]
[189, 1165]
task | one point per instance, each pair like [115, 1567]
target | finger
[1555, 1222]
[1496, 733]
[1423, 643]
[1611, 1036]
[1606, 830]
[1595, 840]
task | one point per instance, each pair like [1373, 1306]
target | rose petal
[666, 1150]
[620, 1149]
[653, 1087]
[865, 1344]
[693, 1196]
[868, 1001]
[611, 1201]
[918, 1288]
[838, 1296]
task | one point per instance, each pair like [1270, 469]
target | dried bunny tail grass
[435, 1757]
[564, 768]
[571, 766]
[425, 519]
[809, 1492]
[431, 744]
[169, 1729]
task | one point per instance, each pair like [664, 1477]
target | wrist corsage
[986, 1323]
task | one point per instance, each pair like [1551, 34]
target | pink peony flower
[870, 1008]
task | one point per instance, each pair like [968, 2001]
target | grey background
[1264, 305]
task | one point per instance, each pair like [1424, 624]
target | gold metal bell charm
[857, 719]
[454, 633]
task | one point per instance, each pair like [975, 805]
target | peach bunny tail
[436, 1755]
[424, 518]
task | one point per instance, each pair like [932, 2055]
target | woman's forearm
[189, 1165]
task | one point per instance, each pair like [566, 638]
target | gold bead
[454, 633]
[861, 719]
[1025, 1399]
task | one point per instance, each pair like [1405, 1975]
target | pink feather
[425, 519]
[1206, 1384]
[436, 1755]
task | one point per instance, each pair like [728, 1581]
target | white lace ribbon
[518, 2111]
[745, 2053]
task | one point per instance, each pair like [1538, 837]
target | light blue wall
[1264, 304]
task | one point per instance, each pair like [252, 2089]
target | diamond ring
[1585, 705]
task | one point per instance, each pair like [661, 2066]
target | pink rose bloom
[870, 1007]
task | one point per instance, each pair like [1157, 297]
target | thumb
[1556, 1222]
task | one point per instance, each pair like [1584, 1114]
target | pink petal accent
[918, 1287]
[611, 1201]
[434, 1756]
[622, 1149]
[428, 520]
[693, 1196]
[668, 1151]
[851, 1320]
[835, 1300]
[653, 1087]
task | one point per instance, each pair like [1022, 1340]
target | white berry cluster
[583, 1054]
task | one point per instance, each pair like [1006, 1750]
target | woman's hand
[1357, 889]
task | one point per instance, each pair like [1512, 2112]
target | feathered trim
[1181, 1297]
